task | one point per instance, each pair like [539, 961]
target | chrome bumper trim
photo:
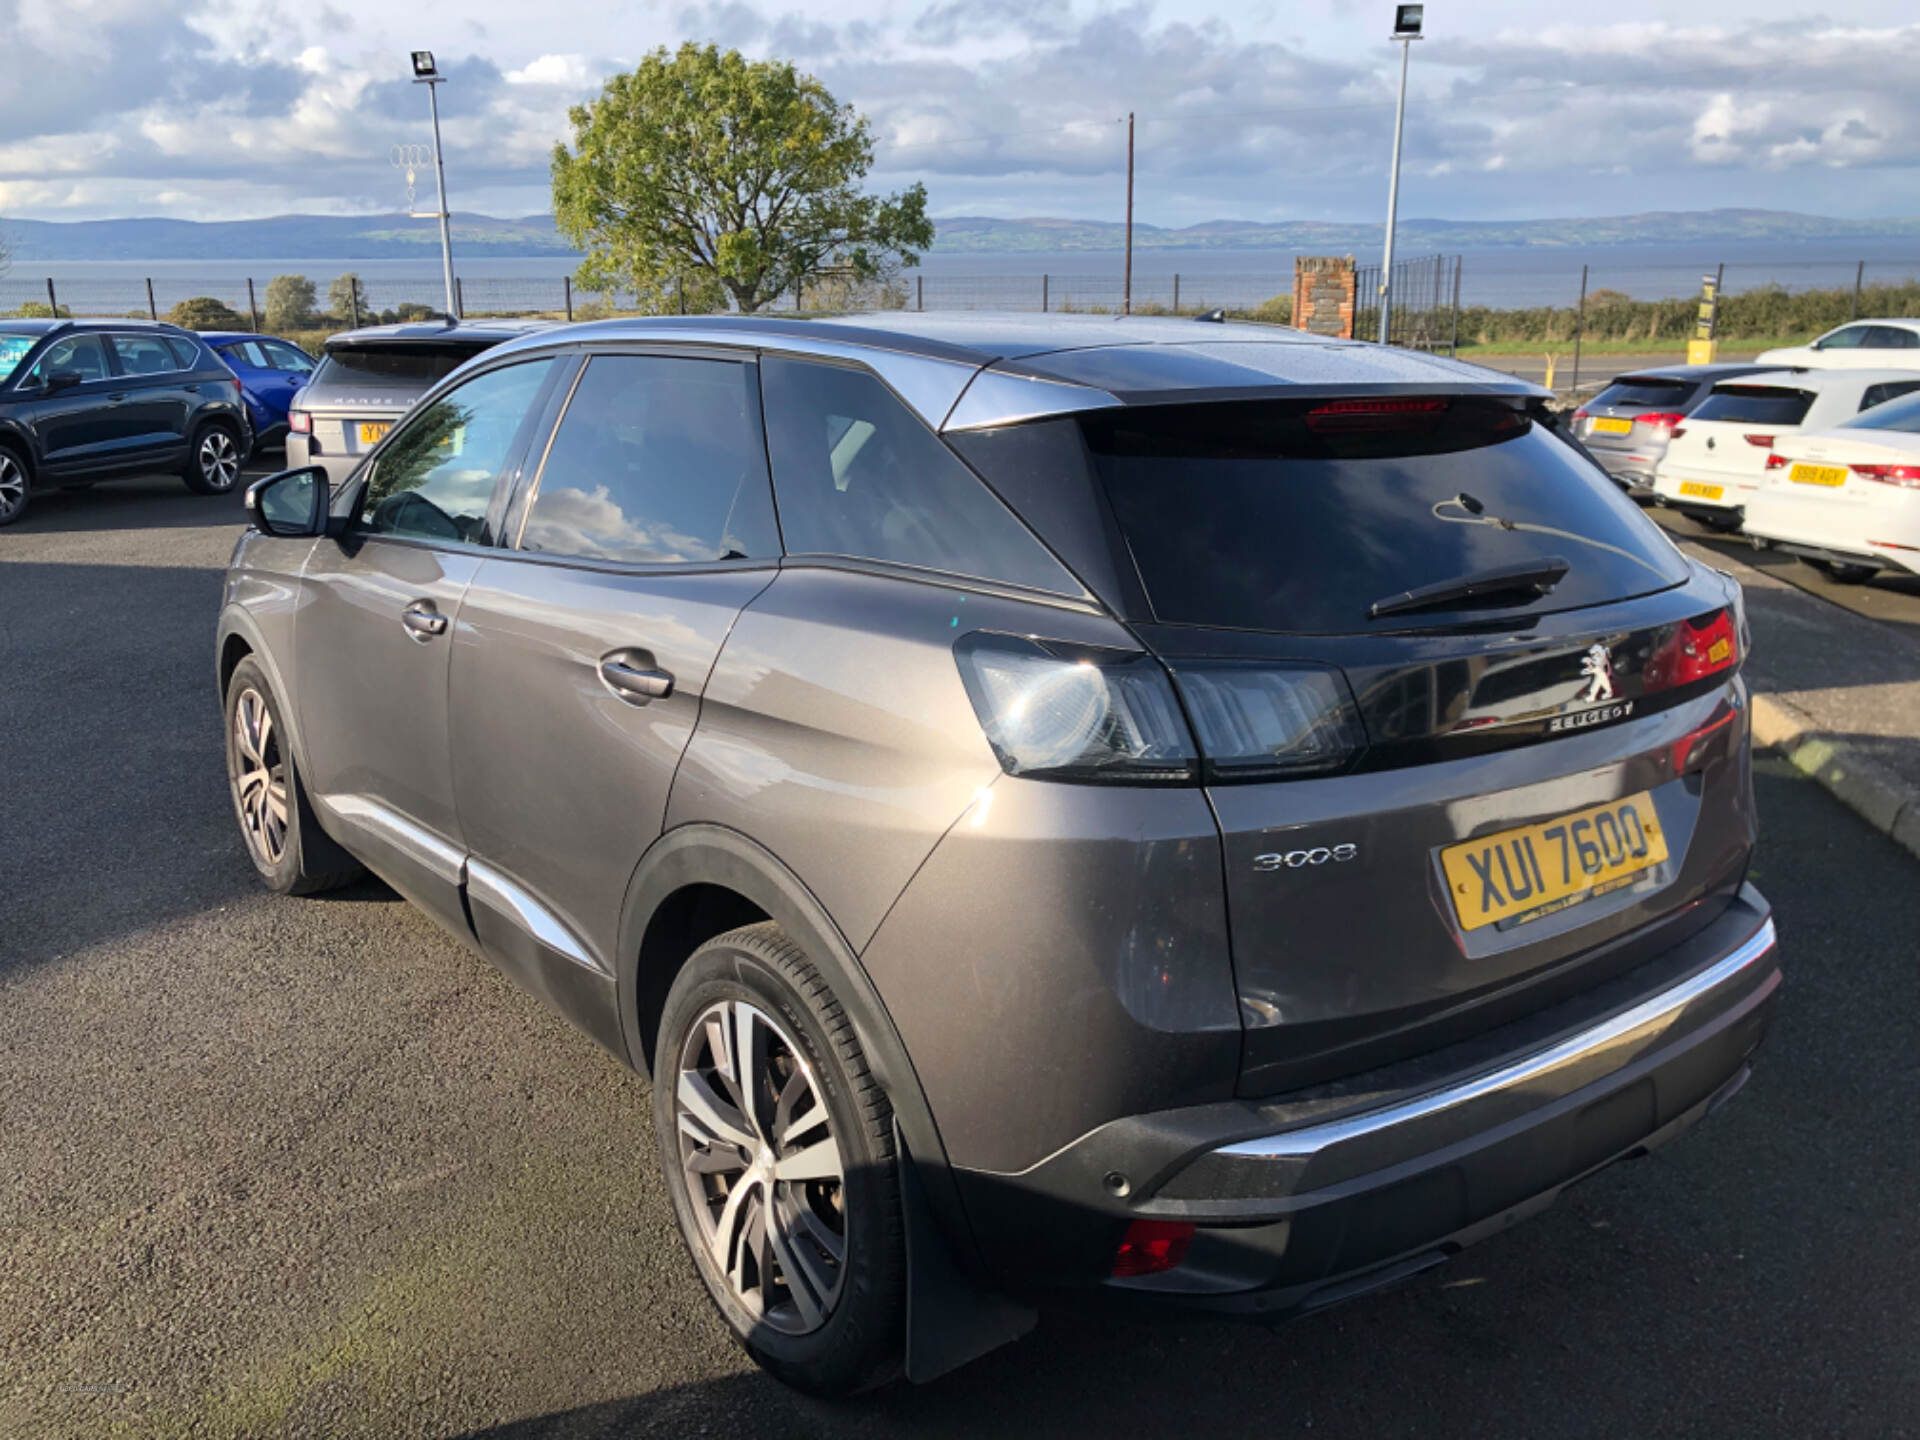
[1654, 1011]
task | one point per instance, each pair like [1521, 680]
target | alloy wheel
[260, 778]
[13, 486]
[219, 460]
[762, 1167]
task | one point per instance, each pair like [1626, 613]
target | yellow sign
[1700, 349]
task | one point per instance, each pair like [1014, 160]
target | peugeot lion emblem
[1597, 669]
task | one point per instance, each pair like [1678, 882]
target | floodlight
[423, 59]
[1406, 21]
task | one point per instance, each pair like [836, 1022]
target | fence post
[1859, 276]
[1579, 330]
[353, 306]
[153, 311]
[566, 282]
[919, 292]
[1043, 293]
[1453, 343]
[1176, 292]
[52, 304]
[253, 310]
[459, 300]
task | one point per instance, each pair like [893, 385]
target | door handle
[423, 620]
[119, 398]
[194, 388]
[635, 684]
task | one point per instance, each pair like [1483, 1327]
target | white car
[1847, 499]
[1717, 459]
[1862, 345]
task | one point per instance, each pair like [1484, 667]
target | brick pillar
[1323, 294]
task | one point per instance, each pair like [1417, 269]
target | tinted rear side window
[1755, 405]
[1648, 392]
[855, 473]
[1263, 516]
[421, 365]
[657, 461]
[1902, 414]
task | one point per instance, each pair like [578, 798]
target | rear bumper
[1309, 1198]
[1631, 472]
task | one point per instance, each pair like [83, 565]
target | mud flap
[950, 1320]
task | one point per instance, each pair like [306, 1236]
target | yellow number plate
[1613, 427]
[1537, 869]
[1702, 492]
[1818, 474]
[372, 430]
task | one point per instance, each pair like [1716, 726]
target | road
[306, 1167]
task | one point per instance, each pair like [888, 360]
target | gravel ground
[306, 1167]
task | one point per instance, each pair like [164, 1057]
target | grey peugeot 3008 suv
[1191, 811]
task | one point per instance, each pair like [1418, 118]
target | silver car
[1161, 809]
[369, 378]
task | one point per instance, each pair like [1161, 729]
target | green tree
[347, 297]
[730, 178]
[290, 302]
[203, 312]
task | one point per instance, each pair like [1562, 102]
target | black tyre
[15, 485]
[284, 840]
[1842, 573]
[214, 459]
[1723, 522]
[777, 1145]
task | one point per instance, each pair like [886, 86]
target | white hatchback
[1717, 459]
[1847, 499]
[1862, 345]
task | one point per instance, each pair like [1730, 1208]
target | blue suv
[271, 372]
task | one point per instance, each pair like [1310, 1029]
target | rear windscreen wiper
[1524, 582]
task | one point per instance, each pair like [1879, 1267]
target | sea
[1025, 280]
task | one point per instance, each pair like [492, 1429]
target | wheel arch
[693, 858]
[237, 637]
[15, 437]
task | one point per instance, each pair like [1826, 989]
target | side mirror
[64, 379]
[291, 504]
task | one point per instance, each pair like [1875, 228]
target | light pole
[1406, 29]
[425, 74]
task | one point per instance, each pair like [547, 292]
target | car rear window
[1645, 391]
[1755, 405]
[415, 364]
[1296, 516]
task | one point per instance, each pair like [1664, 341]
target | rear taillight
[1907, 477]
[1777, 462]
[1581, 413]
[1058, 711]
[1258, 721]
[1151, 1246]
[1702, 646]
[299, 422]
[1765, 442]
[1659, 419]
[1074, 712]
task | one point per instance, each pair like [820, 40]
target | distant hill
[1665, 227]
[38, 243]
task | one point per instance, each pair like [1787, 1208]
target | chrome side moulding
[487, 886]
[1650, 1015]
[422, 846]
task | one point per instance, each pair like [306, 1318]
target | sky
[231, 109]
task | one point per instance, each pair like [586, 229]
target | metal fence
[1424, 312]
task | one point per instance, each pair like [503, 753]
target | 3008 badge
[1299, 859]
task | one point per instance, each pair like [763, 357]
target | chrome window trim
[1655, 1011]
[997, 398]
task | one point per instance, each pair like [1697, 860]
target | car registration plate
[1536, 869]
[1702, 492]
[1818, 474]
[1612, 427]
[372, 430]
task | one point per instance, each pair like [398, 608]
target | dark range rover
[89, 400]
[1193, 812]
